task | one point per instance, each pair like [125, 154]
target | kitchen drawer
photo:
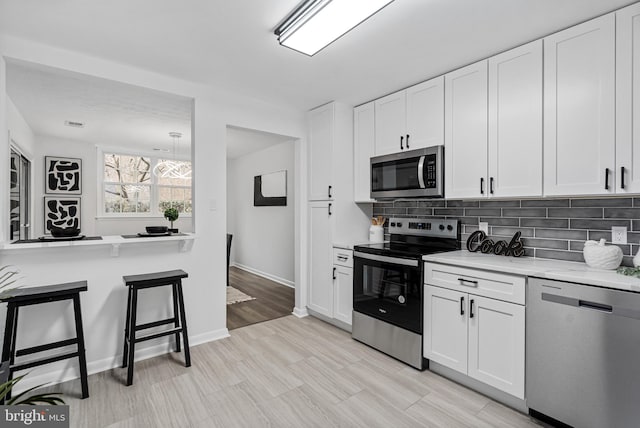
[509, 288]
[342, 257]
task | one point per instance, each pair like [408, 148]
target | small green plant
[171, 214]
[51, 398]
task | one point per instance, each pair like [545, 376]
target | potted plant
[172, 215]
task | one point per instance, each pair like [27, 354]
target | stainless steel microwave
[414, 174]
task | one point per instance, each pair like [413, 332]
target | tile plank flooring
[272, 301]
[287, 372]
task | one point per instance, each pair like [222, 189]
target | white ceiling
[242, 141]
[230, 44]
[114, 114]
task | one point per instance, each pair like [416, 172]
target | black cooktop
[409, 249]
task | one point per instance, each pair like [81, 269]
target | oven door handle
[386, 259]
[421, 171]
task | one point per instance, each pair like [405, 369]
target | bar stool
[149, 280]
[34, 296]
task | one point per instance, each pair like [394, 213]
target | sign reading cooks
[478, 241]
[34, 416]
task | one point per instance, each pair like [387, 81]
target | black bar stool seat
[149, 280]
[34, 296]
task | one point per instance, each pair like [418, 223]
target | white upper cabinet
[425, 114]
[321, 140]
[465, 153]
[410, 119]
[515, 122]
[390, 120]
[579, 109]
[363, 150]
[628, 100]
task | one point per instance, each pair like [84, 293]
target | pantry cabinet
[410, 119]
[627, 171]
[321, 136]
[363, 150]
[579, 110]
[321, 257]
[474, 323]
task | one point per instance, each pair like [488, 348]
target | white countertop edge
[542, 268]
[106, 240]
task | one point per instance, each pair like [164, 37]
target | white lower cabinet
[320, 257]
[342, 293]
[478, 336]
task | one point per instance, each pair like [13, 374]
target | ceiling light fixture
[317, 23]
[173, 168]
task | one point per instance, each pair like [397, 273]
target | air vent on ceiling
[73, 124]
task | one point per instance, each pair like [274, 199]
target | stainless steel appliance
[583, 354]
[388, 286]
[413, 174]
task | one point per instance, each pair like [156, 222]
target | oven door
[389, 289]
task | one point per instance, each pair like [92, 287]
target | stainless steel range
[388, 289]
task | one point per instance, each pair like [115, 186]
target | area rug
[236, 296]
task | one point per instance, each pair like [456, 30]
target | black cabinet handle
[462, 305]
[622, 177]
[482, 185]
[401, 140]
[334, 273]
[329, 209]
[606, 179]
[471, 309]
[468, 280]
[491, 185]
[329, 191]
[407, 141]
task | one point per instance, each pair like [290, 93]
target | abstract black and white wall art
[61, 212]
[62, 175]
[270, 190]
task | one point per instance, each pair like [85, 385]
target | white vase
[376, 234]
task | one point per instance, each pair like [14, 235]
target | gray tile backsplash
[551, 228]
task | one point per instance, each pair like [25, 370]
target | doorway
[19, 196]
[261, 226]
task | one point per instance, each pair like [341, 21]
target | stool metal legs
[131, 338]
[176, 323]
[185, 335]
[82, 357]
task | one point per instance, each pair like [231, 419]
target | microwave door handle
[421, 172]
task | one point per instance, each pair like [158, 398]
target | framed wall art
[61, 212]
[62, 175]
[270, 190]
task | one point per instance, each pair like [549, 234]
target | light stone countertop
[541, 268]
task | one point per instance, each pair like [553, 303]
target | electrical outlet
[484, 226]
[619, 235]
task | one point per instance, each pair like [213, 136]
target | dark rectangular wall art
[62, 175]
[270, 190]
[61, 212]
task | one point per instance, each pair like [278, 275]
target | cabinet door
[465, 153]
[496, 344]
[363, 150]
[390, 123]
[579, 109]
[445, 327]
[425, 114]
[320, 258]
[628, 100]
[321, 135]
[343, 293]
[515, 122]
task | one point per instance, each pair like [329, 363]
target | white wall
[263, 237]
[90, 222]
[104, 303]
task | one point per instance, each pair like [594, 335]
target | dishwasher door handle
[578, 303]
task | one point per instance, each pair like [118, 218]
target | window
[130, 188]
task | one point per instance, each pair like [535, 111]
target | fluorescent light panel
[320, 22]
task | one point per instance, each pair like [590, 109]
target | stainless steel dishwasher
[583, 354]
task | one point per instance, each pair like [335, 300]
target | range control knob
[441, 227]
[449, 228]
[399, 224]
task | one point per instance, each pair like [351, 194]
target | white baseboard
[273, 278]
[300, 312]
[71, 371]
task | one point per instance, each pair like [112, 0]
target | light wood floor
[288, 372]
[272, 301]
